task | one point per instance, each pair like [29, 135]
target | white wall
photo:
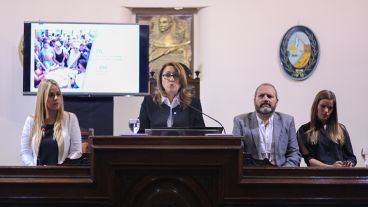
[236, 49]
[239, 43]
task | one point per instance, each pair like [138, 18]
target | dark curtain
[92, 112]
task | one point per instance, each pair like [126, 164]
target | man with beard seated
[269, 137]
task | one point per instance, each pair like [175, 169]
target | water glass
[134, 125]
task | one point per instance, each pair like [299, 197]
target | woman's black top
[325, 150]
[48, 152]
[153, 115]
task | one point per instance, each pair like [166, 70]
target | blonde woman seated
[324, 141]
[51, 135]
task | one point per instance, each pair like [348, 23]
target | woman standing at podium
[51, 135]
[172, 105]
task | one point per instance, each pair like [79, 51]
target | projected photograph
[86, 58]
[62, 55]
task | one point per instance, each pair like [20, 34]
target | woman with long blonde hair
[324, 141]
[51, 135]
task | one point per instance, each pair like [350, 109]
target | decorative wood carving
[178, 171]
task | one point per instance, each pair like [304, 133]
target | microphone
[199, 111]
[43, 129]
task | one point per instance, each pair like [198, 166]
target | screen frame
[143, 61]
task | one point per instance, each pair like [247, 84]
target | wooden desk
[178, 171]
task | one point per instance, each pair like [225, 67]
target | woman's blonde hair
[41, 114]
[336, 129]
[184, 94]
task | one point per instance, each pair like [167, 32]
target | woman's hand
[347, 163]
[338, 164]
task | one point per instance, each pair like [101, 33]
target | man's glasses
[168, 76]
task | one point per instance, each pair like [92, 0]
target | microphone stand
[199, 111]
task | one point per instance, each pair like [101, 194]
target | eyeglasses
[168, 76]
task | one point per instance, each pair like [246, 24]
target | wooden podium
[166, 171]
[178, 171]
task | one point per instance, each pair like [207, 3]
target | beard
[265, 109]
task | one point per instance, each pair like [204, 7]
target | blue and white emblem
[299, 52]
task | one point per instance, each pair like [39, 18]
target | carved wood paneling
[178, 171]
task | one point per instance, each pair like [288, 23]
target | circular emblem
[299, 52]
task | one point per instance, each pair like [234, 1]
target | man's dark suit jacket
[153, 115]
